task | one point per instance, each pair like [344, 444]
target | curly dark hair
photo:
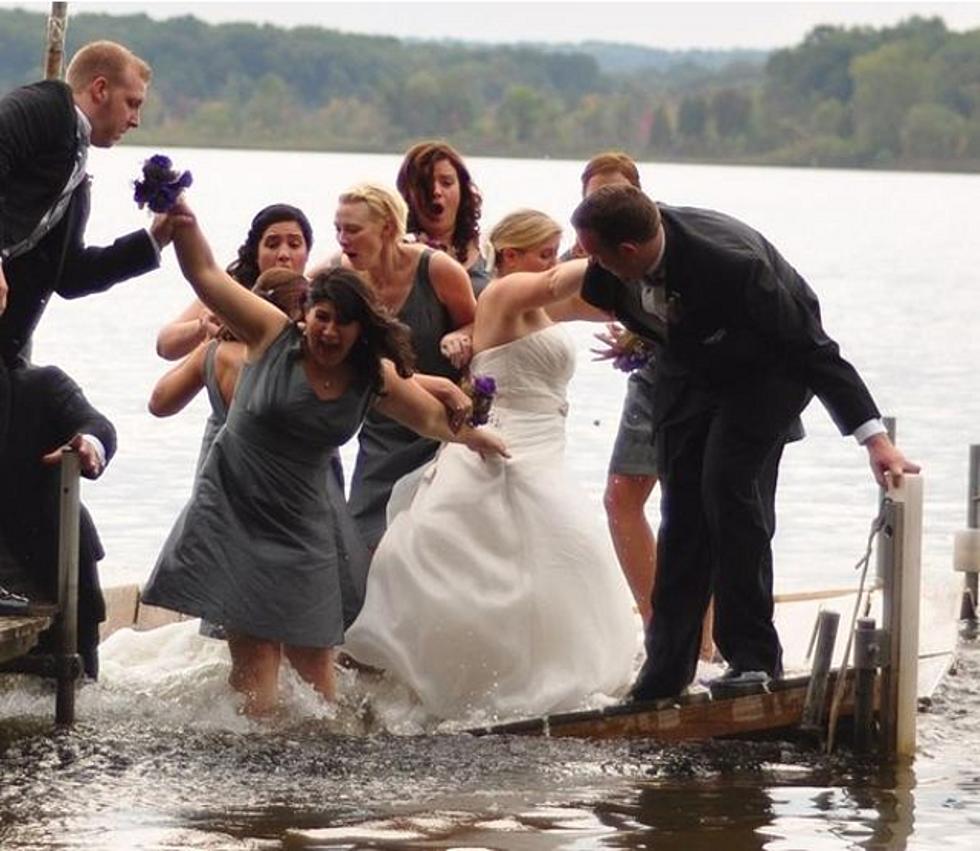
[415, 180]
[245, 268]
[382, 335]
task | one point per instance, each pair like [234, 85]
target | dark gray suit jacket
[38, 150]
[743, 332]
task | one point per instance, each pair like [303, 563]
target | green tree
[270, 111]
[831, 118]
[957, 70]
[692, 116]
[731, 111]
[887, 82]
[661, 131]
[817, 69]
[522, 112]
[932, 131]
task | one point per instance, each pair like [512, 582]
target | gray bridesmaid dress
[387, 449]
[265, 546]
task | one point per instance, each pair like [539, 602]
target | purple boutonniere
[161, 184]
[481, 389]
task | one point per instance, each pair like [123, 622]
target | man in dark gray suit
[46, 129]
[740, 352]
[48, 411]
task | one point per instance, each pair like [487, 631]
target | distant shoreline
[149, 139]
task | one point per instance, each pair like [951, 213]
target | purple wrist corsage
[481, 389]
[161, 184]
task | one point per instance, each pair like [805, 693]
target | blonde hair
[521, 229]
[383, 205]
[104, 59]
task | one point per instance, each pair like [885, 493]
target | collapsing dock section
[688, 717]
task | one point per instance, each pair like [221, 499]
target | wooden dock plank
[689, 719]
[18, 634]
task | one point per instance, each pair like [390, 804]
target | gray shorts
[635, 452]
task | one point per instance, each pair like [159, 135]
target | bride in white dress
[496, 590]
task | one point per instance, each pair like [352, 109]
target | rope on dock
[862, 564]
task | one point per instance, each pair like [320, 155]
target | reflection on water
[155, 771]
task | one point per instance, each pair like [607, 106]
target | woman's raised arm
[251, 318]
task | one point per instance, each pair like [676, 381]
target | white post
[901, 615]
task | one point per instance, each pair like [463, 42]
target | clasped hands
[458, 405]
[457, 347]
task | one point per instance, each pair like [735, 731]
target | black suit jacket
[38, 150]
[743, 332]
[47, 409]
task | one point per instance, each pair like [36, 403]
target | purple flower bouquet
[481, 389]
[161, 184]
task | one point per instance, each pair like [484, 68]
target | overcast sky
[655, 24]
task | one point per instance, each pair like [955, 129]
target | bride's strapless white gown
[496, 590]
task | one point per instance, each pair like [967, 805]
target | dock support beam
[868, 654]
[67, 627]
[965, 547]
[816, 690]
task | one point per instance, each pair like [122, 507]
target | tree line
[906, 96]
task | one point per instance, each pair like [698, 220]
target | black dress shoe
[643, 693]
[11, 603]
[735, 682]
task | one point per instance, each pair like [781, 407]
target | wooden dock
[20, 633]
[689, 717]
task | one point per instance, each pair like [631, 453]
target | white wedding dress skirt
[495, 590]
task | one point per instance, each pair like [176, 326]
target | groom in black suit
[47, 411]
[740, 351]
[46, 129]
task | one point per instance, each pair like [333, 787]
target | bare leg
[636, 546]
[255, 672]
[708, 652]
[315, 665]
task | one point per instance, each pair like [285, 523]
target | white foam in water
[442, 826]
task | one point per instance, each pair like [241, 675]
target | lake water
[160, 761]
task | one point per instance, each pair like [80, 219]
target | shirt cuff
[869, 429]
[154, 243]
[97, 445]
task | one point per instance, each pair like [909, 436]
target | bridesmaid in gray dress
[215, 366]
[444, 205]
[257, 547]
[430, 293]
